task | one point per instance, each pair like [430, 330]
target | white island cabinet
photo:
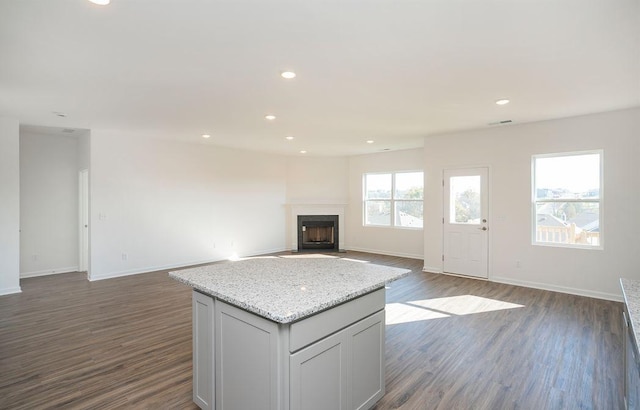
[631, 327]
[322, 352]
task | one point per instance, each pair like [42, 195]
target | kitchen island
[631, 326]
[288, 333]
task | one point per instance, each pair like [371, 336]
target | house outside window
[567, 199]
[393, 199]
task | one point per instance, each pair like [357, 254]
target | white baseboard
[181, 265]
[10, 291]
[540, 285]
[556, 288]
[129, 272]
[267, 251]
[382, 252]
[46, 272]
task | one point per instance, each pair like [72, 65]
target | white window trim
[392, 200]
[600, 201]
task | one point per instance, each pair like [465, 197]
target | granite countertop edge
[302, 314]
[631, 295]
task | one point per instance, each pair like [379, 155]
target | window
[567, 198]
[399, 194]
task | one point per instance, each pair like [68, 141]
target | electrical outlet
[518, 264]
[124, 256]
[34, 258]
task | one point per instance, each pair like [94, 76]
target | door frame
[83, 219]
[489, 217]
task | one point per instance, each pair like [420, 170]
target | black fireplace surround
[318, 232]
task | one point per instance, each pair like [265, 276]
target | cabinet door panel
[367, 361]
[246, 360]
[203, 351]
[318, 376]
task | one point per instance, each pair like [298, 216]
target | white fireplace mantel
[316, 209]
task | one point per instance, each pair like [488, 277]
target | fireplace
[318, 232]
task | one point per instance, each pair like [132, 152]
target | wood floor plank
[451, 343]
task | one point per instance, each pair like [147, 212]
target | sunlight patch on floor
[253, 257]
[308, 256]
[464, 304]
[436, 308]
[397, 313]
[355, 260]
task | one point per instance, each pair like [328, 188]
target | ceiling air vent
[68, 130]
[500, 122]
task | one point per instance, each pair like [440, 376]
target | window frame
[599, 200]
[392, 200]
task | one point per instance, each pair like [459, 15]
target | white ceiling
[391, 71]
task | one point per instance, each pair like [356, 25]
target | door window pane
[464, 200]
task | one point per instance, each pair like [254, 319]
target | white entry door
[465, 222]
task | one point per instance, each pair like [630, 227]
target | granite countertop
[631, 294]
[286, 289]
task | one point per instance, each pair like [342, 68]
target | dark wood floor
[452, 343]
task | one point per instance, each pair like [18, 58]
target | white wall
[316, 186]
[507, 152]
[389, 241]
[159, 204]
[9, 206]
[48, 204]
[317, 180]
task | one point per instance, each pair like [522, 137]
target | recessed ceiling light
[206, 136]
[289, 137]
[303, 152]
[370, 141]
[270, 117]
[502, 102]
[288, 75]
[100, 2]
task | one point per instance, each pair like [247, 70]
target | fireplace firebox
[318, 232]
